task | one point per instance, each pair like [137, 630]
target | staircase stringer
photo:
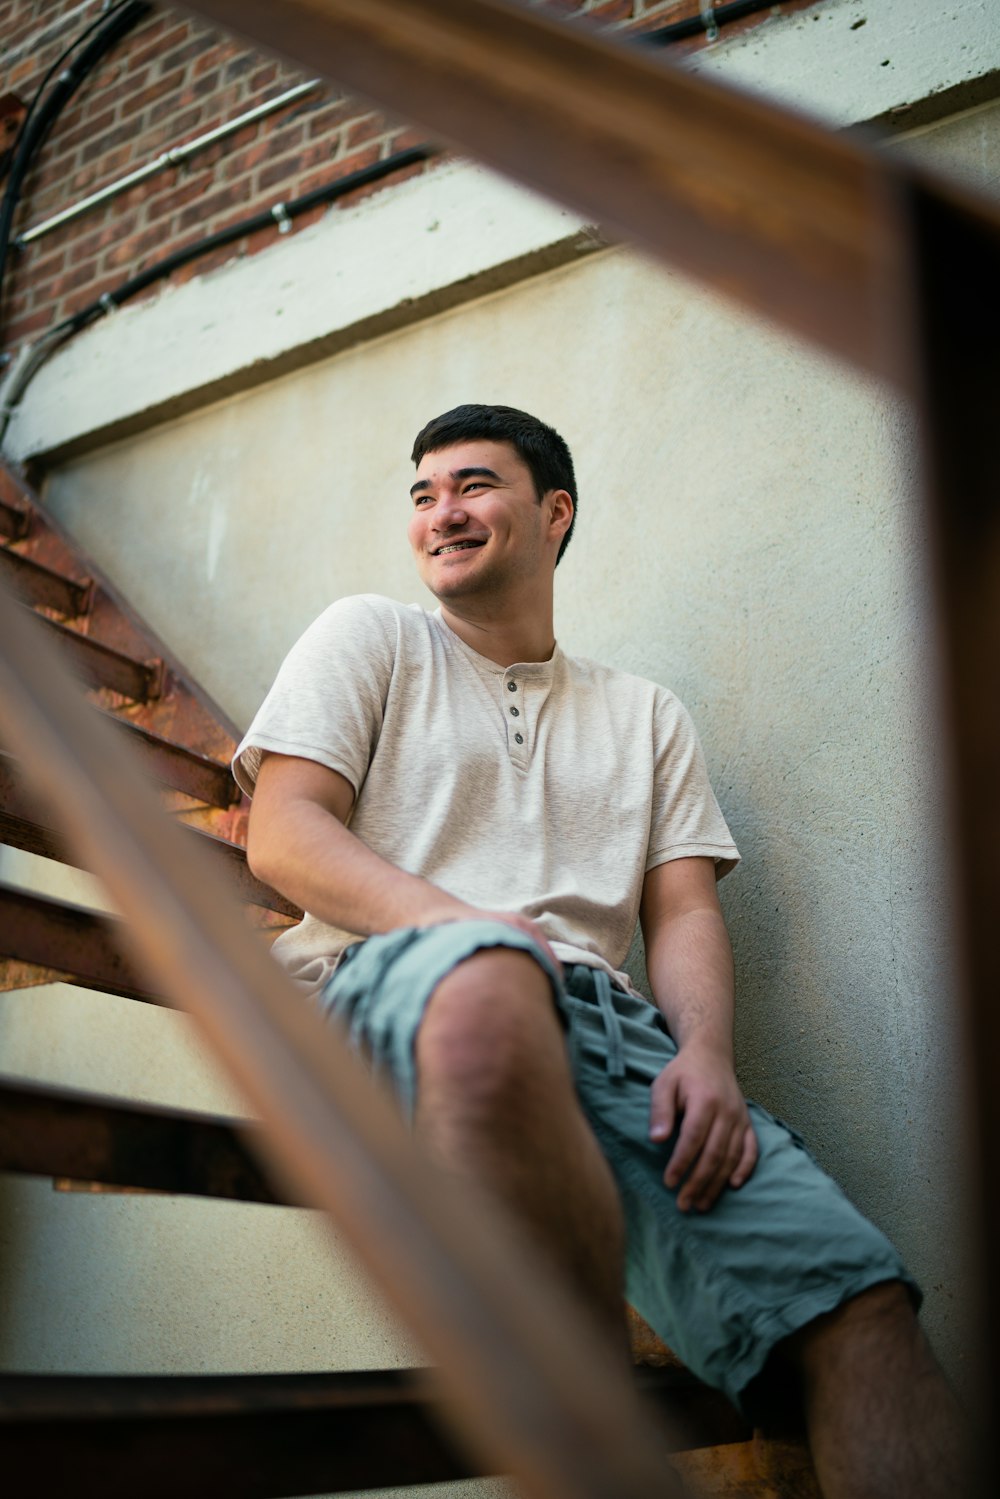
[182, 711]
[113, 618]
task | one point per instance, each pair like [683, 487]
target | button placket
[513, 711]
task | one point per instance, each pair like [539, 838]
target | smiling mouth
[457, 546]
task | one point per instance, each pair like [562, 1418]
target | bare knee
[489, 1034]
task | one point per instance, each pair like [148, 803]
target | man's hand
[716, 1146]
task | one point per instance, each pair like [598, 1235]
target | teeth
[458, 546]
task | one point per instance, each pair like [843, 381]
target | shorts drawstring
[615, 1059]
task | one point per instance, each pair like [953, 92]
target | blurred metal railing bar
[870, 256]
[762, 204]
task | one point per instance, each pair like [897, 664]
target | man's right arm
[299, 844]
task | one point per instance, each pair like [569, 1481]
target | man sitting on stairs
[473, 821]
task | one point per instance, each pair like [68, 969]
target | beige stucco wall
[750, 535]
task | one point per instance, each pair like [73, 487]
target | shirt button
[511, 686]
[515, 713]
[519, 738]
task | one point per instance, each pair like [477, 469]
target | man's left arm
[690, 966]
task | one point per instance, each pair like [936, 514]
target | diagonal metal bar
[531, 1380]
[758, 202]
[956, 263]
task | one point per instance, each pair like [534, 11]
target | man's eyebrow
[473, 473]
[458, 474]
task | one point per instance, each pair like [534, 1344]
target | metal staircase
[182, 738]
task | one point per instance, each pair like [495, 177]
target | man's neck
[503, 640]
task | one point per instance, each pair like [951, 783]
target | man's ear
[561, 509]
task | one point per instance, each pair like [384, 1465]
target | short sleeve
[685, 820]
[328, 698]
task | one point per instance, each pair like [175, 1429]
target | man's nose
[449, 511]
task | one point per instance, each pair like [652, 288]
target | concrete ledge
[900, 63]
[428, 245]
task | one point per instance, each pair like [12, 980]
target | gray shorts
[721, 1288]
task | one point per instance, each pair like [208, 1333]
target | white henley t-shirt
[547, 788]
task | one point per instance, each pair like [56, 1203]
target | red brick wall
[172, 79]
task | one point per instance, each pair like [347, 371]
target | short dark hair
[540, 447]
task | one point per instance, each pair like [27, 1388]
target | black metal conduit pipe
[280, 214]
[263, 219]
[109, 31]
[722, 15]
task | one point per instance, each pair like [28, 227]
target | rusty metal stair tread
[81, 946]
[14, 520]
[244, 1436]
[101, 665]
[45, 587]
[22, 827]
[66, 1132]
[182, 769]
[251, 1436]
[46, 1130]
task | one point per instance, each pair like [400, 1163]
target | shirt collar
[536, 671]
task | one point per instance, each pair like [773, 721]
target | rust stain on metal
[18, 975]
[648, 1347]
[763, 1468]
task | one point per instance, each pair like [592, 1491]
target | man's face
[476, 524]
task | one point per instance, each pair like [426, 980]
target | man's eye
[421, 499]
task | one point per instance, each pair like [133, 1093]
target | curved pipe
[37, 124]
[280, 214]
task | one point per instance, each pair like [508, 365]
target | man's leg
[726, 1288]
[496, 1102]
[882, 1421]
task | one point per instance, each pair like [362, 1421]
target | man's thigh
[383, 986]
[723, 1288]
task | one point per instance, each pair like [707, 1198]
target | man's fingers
[715, 1146]
[711, 1170]
[663, 1108]
[706, 1195]
[690, 1142]
[747, 1160]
